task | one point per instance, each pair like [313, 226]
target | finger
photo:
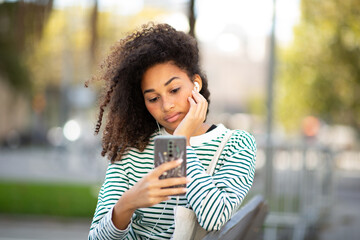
[166, 187]
[174, 181]
[192, 102]
[193, 106]
[155, 200]
[201, 105]
[172, 191]
[195, 96]
[203, 109]
[166, 166]
[198, 97]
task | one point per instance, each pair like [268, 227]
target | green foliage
[48, 199]
[11, 63]
[319, 74]
[21, 25]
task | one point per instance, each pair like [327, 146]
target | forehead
[160, 73]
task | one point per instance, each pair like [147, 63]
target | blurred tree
[319, 74]
[94, 32]
[47, 57]
[74, 39]
[21, 25]
[192, 18]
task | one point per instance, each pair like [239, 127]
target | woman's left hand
[194, 118]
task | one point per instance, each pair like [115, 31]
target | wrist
[127, 203]
[122, 213]
[187, 138]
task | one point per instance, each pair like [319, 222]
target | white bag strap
[211, 168]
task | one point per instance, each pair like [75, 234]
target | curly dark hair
[129, 124]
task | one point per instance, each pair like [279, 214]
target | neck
[202, 129]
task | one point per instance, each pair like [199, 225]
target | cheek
[184, 99]
[151, 109]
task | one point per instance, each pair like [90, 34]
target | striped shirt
[213, 198]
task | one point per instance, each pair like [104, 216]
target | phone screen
[170, 148]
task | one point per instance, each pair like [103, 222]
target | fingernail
[180, 160]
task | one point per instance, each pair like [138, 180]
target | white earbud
[197, 87]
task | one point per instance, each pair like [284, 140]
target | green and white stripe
[213, 198]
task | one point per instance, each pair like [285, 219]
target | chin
[170, 128]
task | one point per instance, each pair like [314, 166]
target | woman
[153, 78]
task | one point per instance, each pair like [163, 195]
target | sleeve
[114, 186]
[214, 199]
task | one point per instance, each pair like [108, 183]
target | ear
[198, 81]
[197, 87]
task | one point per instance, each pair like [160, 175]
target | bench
[245, 224]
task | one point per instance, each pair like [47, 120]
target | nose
[168, 104]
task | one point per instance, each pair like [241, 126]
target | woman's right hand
[150, 190]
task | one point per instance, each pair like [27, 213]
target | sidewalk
[42, 228]
[48, 165]
[53, 165]
[344, 221]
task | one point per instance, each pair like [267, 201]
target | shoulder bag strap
[211, 168]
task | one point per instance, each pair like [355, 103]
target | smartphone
[170, 148]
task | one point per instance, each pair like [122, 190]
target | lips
[172, 118]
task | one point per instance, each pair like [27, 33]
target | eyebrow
[167, 83]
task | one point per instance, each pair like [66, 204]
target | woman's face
[166, 89]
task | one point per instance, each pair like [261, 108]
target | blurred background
[287, 71]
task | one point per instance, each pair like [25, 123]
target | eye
[152, 100]
[175, 90]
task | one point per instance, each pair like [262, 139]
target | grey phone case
[170, 148]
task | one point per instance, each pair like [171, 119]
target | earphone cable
[157, 221]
